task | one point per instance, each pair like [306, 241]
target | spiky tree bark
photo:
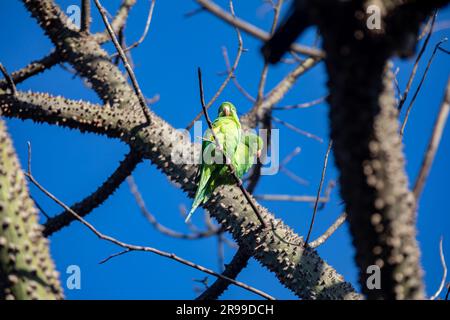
[364, 128]
[363, 120]
[26, 269]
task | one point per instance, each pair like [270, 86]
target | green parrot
[227, 129]
[250, 146]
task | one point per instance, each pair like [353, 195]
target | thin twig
[319, 190]
[114, 255]
[234, 78]
[118, 22]
[96, 198]
[426, 29]
[85, 15]
[230, 73]
[288, 172]
[39, 207]
[289, 198]
[8, 79]
[444, 268]
[131, 247]
[416, 64]
[228, 162]
[253, 30]
[33, 68]
[161, 228]
[295, 129]
[126, 64]
[324, 237]
[146, 28]
[237, 264]
[433, 144]
[263, 77]
[405, 120]
[302, 105]
[293, 176]
[220, 251]
[291, 156]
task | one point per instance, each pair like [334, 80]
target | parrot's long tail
[199, 196]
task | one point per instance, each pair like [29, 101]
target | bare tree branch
[85, 15]
[260, 110]
[367, 146]
[237, 264]
[137, 89]
[161, 228]
[416, 63]
[319, 191]
[433, 144]
[444, 272]
[118, 21]
[303, 271]
[230, 73]
[302, 105]
[144, 34]
[290, 198]
[95, 199]
[251, 29]
[324, 237]
[33, 68]
[27, 270]
[130, 247]
[298, 130]
[8, 79]
[235, 81]
[413, 99]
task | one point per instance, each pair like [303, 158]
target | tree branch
[303, 271]
[130, 247]
[95, 199]
[27, 270]
[433, 144]
[251, 29]
[33, 68]
[232, 270]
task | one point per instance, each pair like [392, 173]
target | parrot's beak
[226, 110]
[258, 153]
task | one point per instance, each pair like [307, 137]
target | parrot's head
[227, 109]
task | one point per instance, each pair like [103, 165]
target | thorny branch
[130, 247]
[110, 121]
[137, 89]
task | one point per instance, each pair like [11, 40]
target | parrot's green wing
[244, 157]
[228, 132]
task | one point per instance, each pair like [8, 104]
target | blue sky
[71, 165]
